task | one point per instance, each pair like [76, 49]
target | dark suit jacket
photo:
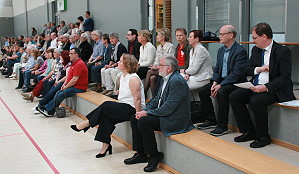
[174, 111]
[236, 64]
[121, 49]
[280, 69]
[66, 46]
[135, 49]
[86, 50]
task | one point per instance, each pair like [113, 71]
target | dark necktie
[256, 78]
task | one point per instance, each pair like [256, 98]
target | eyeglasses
[72, 53]
[255, 37]
[222, 34]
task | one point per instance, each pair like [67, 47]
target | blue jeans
[60, 96]
[11, 62]
[96, 73]
[27, 77]
[50, 95]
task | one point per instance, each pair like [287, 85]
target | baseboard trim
[122, 141]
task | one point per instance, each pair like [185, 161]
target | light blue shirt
[224, 63]
[98, 49]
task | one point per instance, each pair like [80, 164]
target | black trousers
[258, 103]
[223, 103]
[144, 141]
[107, 115]
[142, 71]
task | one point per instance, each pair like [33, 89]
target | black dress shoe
[245, 137]
[18, 87]
[261, 142]
[137, 158]
[153, 162]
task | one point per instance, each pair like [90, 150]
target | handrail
[282, 43]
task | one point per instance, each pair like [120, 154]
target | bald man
[231, 61]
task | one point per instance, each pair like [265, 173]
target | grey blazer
[174, 111]
[200, 64]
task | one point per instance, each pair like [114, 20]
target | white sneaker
[36, 112]
[13, 75]
[2, 68]
[13, 78]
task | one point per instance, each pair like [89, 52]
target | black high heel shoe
[74, 127]
[100, 155]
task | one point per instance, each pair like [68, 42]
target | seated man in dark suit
[271, 66]
[229, 69]
[168, 112]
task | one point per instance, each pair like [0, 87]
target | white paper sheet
[294, 103]
[245, 85]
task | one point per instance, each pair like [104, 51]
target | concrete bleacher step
[199, 152]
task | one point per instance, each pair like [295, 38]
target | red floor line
[5, 120]
[31, 139]
[10, 135]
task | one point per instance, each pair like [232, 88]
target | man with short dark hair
[230, 65]
[271, 67]
[76, 82]
[133, 44]
[168, 112]
[88, 24]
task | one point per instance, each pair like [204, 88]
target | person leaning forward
[168, 112]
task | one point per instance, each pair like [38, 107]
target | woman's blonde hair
[165, 32]
[145, 33]
[130, 63]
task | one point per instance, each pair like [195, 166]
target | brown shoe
[106, 92]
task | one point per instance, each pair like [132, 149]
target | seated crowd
[62, 63]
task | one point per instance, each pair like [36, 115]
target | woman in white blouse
[200, 70]
[107, 115]
[165, 48]
[147, 53]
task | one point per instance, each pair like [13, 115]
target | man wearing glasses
[168, 112]
[270, 65]
[76, 82]
[231, 61]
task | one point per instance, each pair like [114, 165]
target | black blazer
[280, 69]
[136, 48]
[236, 63]
[86, 50]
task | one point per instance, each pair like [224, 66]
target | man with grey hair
[98, 51]
[168, 112]
[65, 42]
[229, 69]
[106, 73]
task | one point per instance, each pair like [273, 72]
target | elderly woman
[131, 100]
[85, 47]
[200, 70]
[147, 53]
[165, 48]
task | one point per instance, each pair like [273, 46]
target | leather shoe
[261, 142]
[137, 158]
[153, 162]
[245, 137]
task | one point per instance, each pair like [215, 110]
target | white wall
[18, 7]
[6, 11]
[31, 4]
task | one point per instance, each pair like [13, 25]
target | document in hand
[245, 85]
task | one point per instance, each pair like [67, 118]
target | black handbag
[196, 112]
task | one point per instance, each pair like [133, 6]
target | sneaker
[13, 75]
[43, 111]
[106, 91]
[206, 125]
[218, 131]
[13, 78]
